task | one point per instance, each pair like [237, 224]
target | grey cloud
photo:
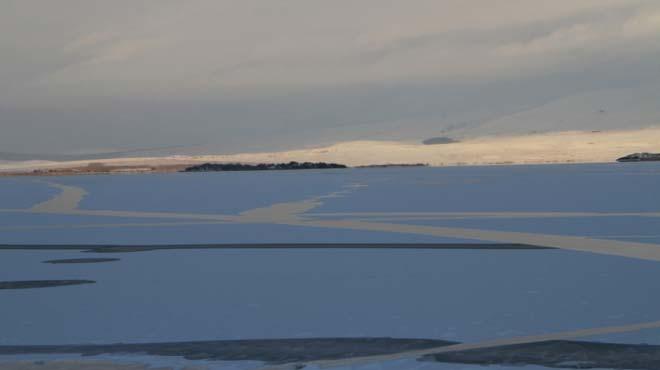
[250, 75]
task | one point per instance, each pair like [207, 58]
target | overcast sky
[80, 75]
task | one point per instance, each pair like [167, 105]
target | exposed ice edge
[485, 344]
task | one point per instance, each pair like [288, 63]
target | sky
[242, 75]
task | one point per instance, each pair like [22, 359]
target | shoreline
[555, 148]
[82, 171]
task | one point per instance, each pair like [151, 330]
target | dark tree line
[209, 167]
[640, 157]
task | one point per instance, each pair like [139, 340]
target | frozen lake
[464, 295]
[233, 294]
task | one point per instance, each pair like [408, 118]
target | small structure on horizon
[439, 140]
